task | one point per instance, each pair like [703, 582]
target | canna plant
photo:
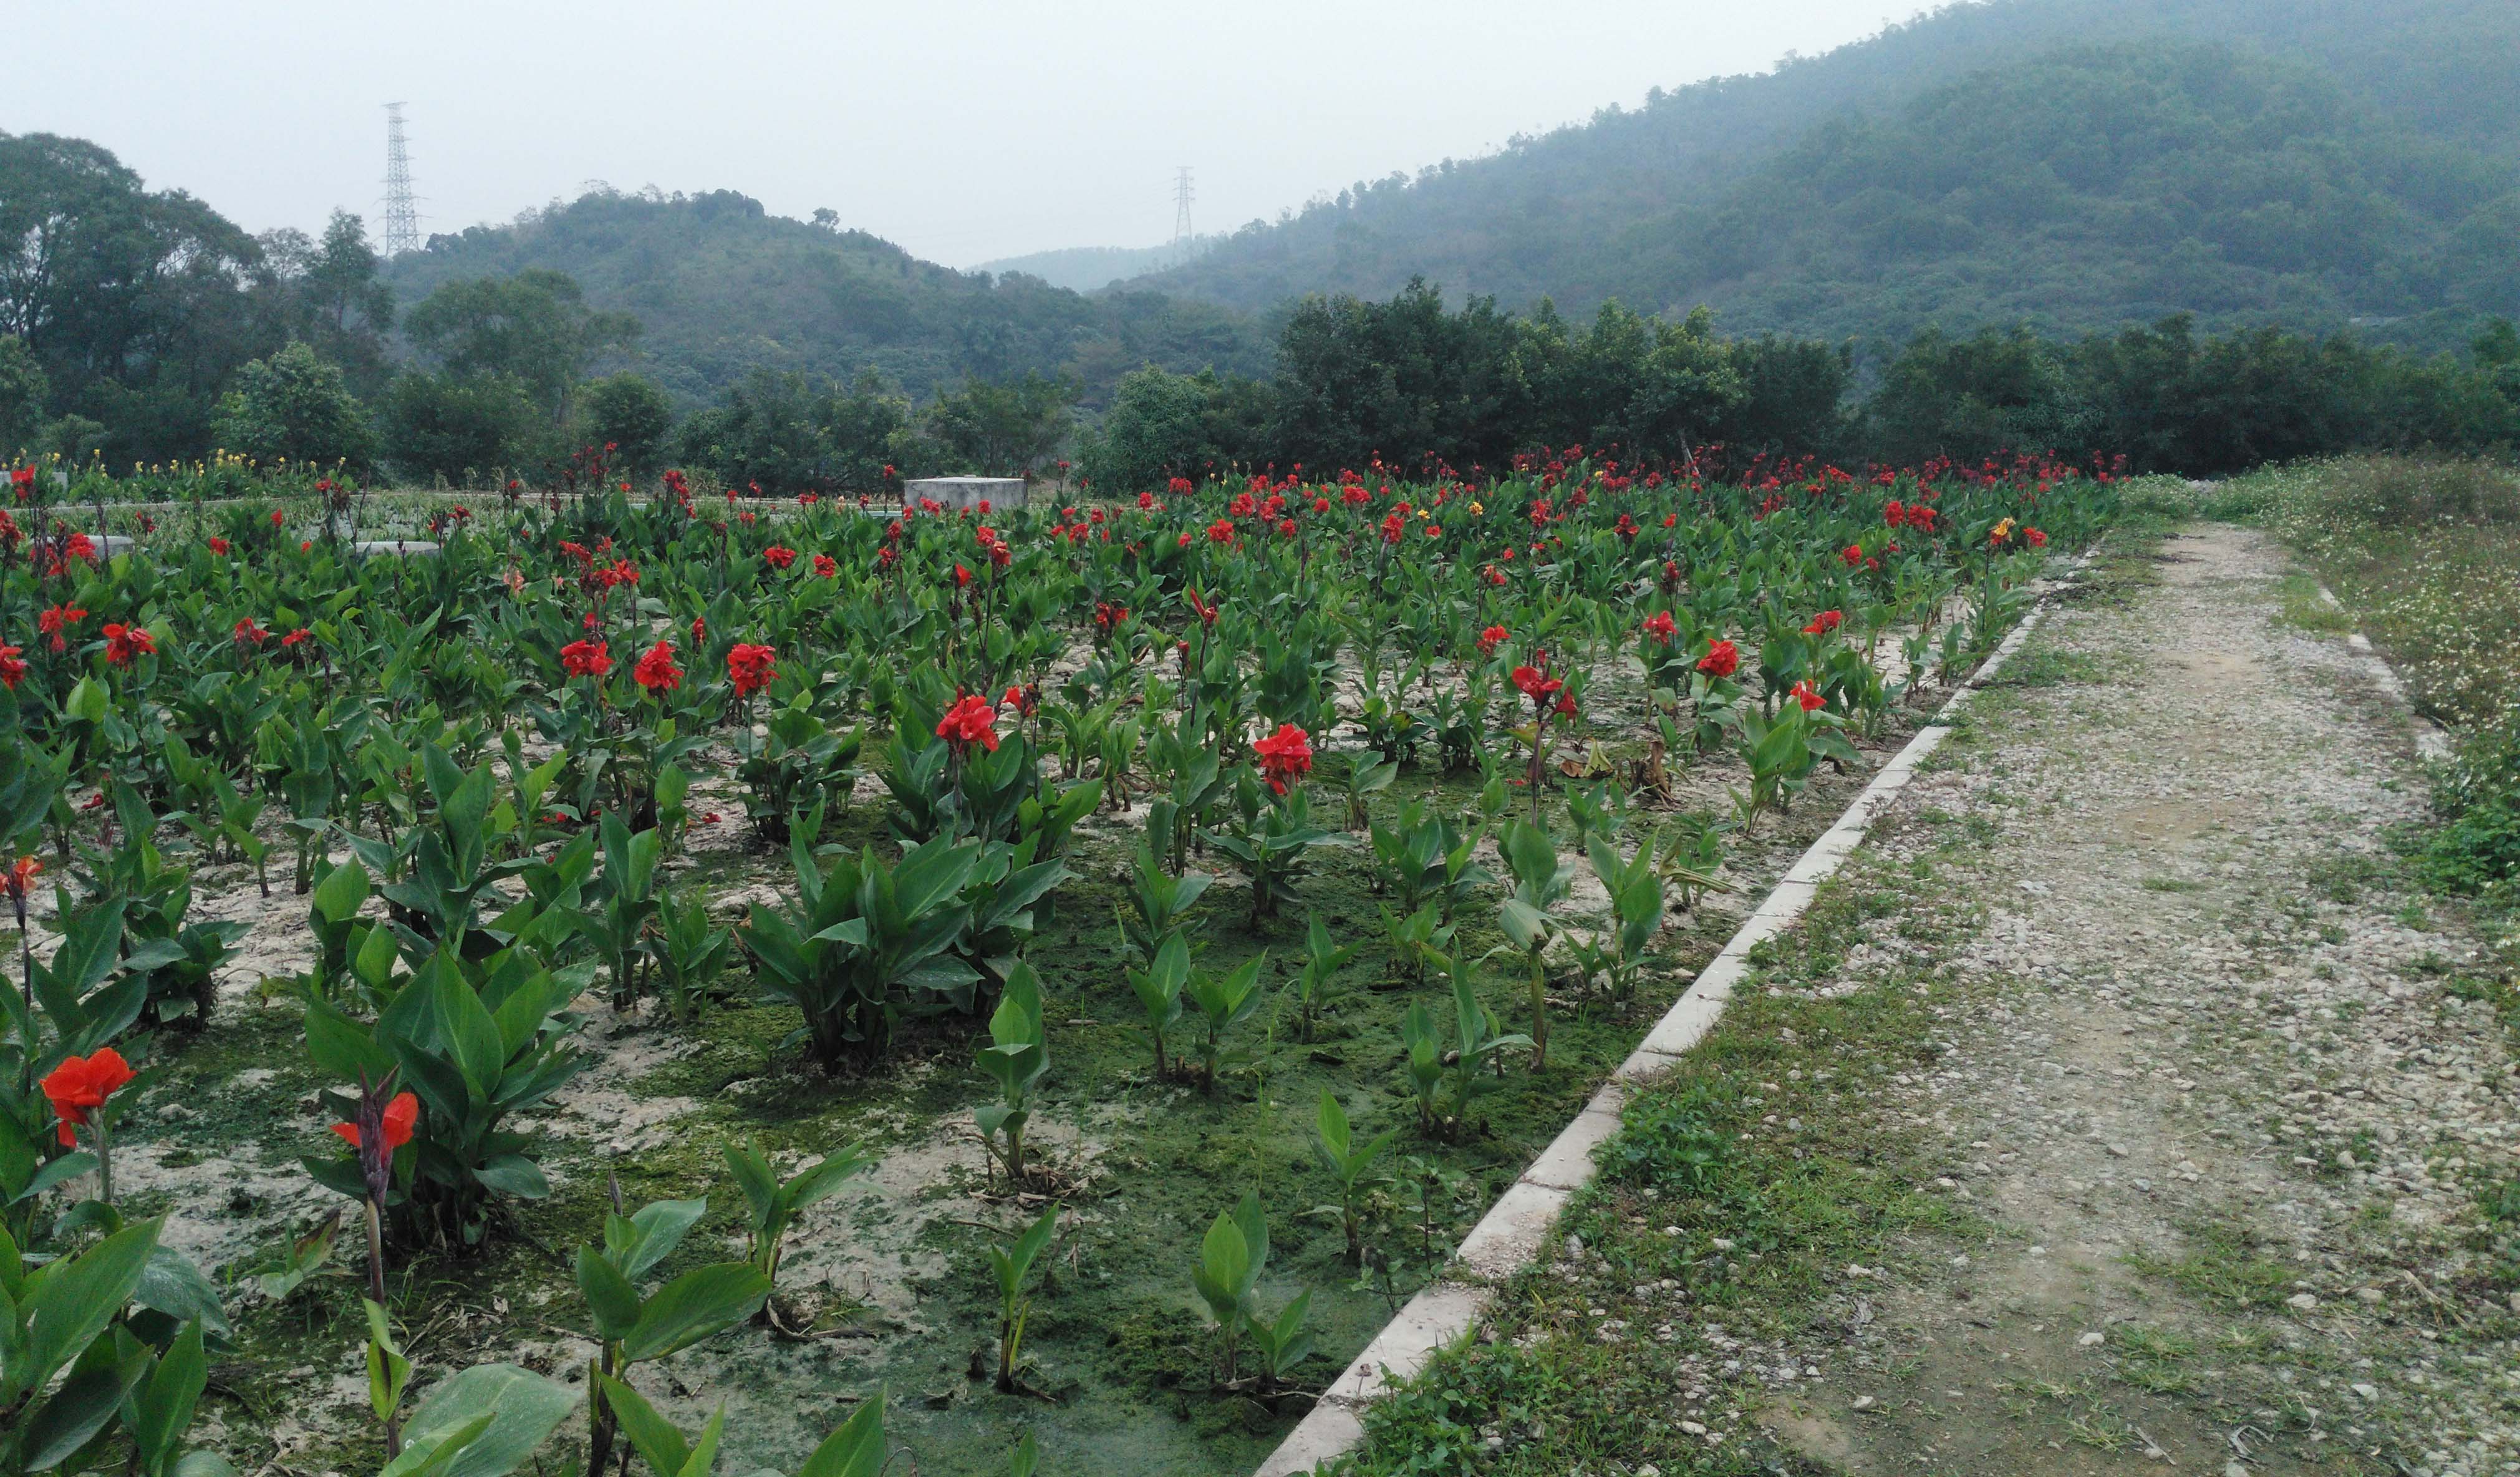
[476, 1041]
[1323, 959]
[867, 942]
[1418, 940]
[631, 1328]
[76, 1375]
[1362, 775]
[1540, 882]
[1617, 954]
[687, 951]
[619, 920]
[798, 764]
[1159, 989]
[1224, 1001]
[1422, 859]
[1016, 1059]
[855, 1450]
[1160, 902]
[774, 1204]
[1014, 1263]
[1231, 1258]
[1269, 837]
[1351, 1166]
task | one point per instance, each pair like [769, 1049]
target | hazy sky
[962, 130]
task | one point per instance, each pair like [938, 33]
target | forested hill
[2074, 163]
[721, 287]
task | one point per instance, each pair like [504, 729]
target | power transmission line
[402, 217]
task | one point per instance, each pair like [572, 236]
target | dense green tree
[1003, 429]
[630, 413]
[1972, 398]
[534, 327]
[328, 292]
[134, 303]
[22, 393]
[294, 407]
[469, 429]
[785, 435]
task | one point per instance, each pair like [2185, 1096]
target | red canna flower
[750, 668]
[655, 670]
[1722, 659]
[1809, 698]
[1019, 697]
[1491, 639]
[1894, 513]
[2034, 538]
[13, 667]
[294, 637]
[276, 518]
[969, 721]
[52, 622]
[585, 658]
[825, 565]
[219, 545]
[1824, 622]
[1661, 627]
[779, 556]
[1853, 554]
[81, 1085]
[1284, 755]
[122, 642]
[400, 1115]
[21, 876]
[700, 629]
[1221, 531]
[961, 577]
[1536, 684]
[247, 634]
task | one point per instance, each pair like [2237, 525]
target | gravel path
[2224, 1100]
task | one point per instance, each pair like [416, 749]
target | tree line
[1412, 383]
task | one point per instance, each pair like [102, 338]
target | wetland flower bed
[656, 985]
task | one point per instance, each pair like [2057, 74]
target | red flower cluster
[81, 1085]
[825, 565]
[750, 668]
[1722, 659]
[655, 670]
[1804, 695]
[969, 721]
[219, 545]
[400, 1115]
[1284, 755]
[249, 635]
[1536, 684]
[122, 642]
[1661, 627]
[779, 556]
[13, 667]
[52, 622]
[1824, 622]
[1491, 639]
[585, 658]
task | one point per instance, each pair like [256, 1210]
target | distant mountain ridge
[2401, 114]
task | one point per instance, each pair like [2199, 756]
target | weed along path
[2198, 1085]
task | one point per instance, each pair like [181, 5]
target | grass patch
[2222, 1264]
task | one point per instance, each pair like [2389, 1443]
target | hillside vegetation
[722, 287]
[2073, 164]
